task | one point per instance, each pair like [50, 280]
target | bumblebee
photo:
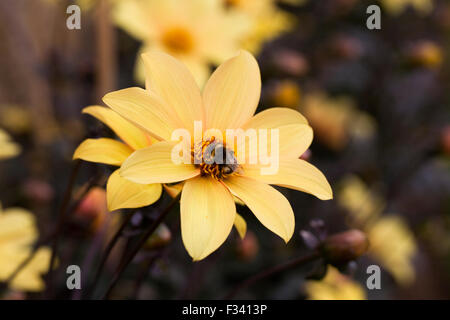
[218, 160]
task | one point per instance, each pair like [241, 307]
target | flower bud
[291, 62]
[306, 155]
[248, 247]
[344, 247]
[93, 208]
[93, 204]
[347, 47]
[38, 191]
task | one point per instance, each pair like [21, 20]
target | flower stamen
[214, 159]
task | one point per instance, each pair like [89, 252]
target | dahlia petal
[122, 193]
[103, 150]
[296, 174]
[232, 93]
[268, 205]
[154, 165]
[207, 216]
[125, 130]
[240, 225]
[171, 80]
[144, 109]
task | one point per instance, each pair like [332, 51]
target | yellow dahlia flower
[197, 32]
[120, 193]
[266, 21]
[18, 232]
[8, 148]
[336, 120]
[335, 286]
[364, 205]
[392, 243]
[173, 101]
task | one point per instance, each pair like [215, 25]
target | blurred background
[378, 101]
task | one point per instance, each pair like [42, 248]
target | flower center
[178, 40]
[214, 159]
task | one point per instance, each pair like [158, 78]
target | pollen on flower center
[214, 159]
[178, 40]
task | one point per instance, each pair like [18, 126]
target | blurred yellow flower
[286, 94]
[121, 193]
[362, 203]
[267, 21]
[335, 286]
[392, 243]
[15, 119]
[336, 120]
[426, 53]
[173, 100]
[8, 148]
[398, 6]
[18, 233]
[197, 32]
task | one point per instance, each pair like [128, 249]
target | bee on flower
[173, 102]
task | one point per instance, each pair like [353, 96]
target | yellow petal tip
[329, 195]
[197, 259]
[287, 238]
[86, 109]
[75, 155]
